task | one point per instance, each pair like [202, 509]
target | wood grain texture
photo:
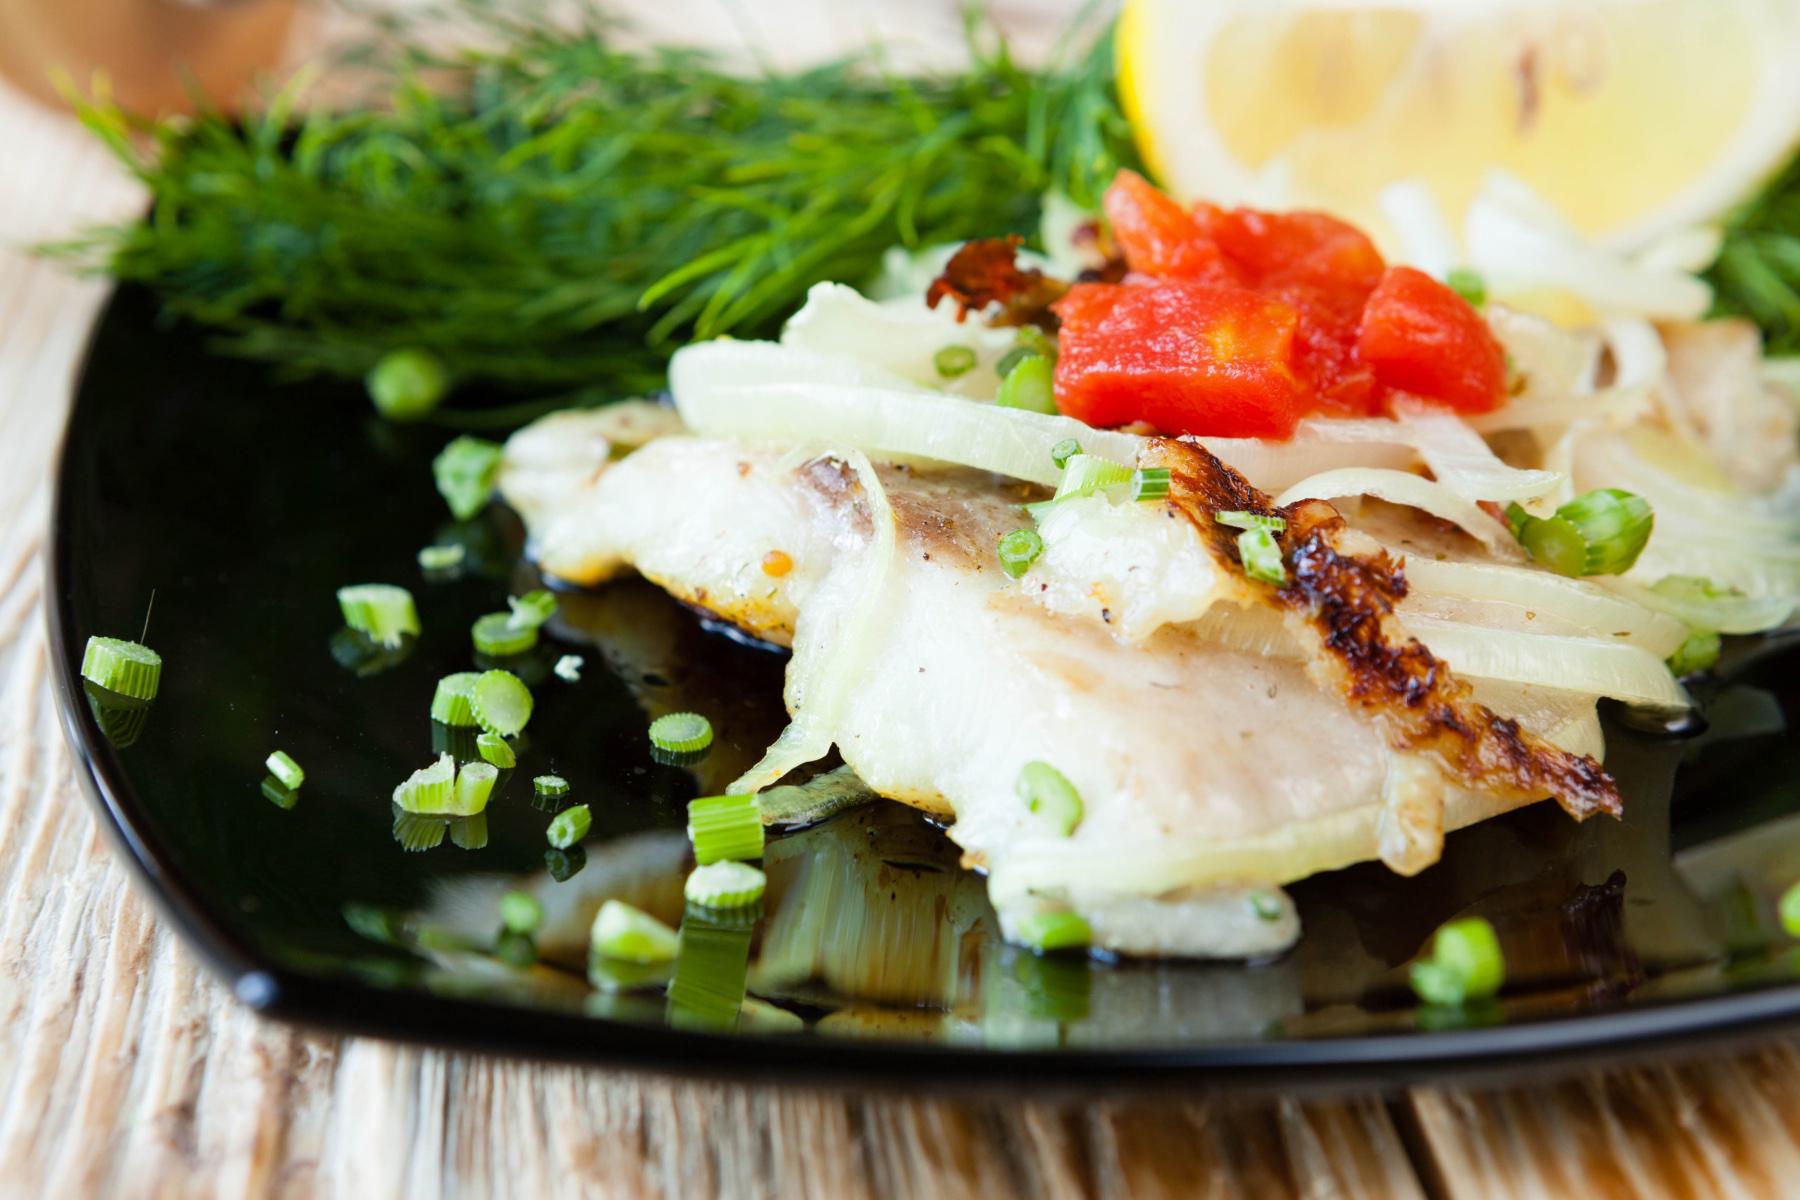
[126, 1071]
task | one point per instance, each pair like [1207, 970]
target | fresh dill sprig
[1757, 273]
[556, 213]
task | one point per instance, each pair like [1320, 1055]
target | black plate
[242, 503]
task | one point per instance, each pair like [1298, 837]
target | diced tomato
[1157, 236]
[1423, 338]
[1272, 249]
[1186, 357]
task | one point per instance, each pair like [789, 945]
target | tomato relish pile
[1238, 323]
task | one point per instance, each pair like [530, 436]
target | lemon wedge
[1631, 117]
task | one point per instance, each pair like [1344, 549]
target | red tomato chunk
[1237, 323]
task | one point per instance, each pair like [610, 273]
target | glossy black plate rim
[342, 1005]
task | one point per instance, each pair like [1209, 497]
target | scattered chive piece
[1063, 451]
[496, 636]
[121, 718]
[128, 668]
[1265, 906]
[632, 935]
[496, 750]
[520, 912]
[1465, 964]
[681, 733]
[1261, 556]
[568, 668]
[450, 703]
[1030, 385]
[515, 949]
[1049, 794]
[953, 361]
[429, 789]
[1086, 474]
[725, 884]
[711, 970]
[1601, 532]
[465, 472]
[1011, 359]
[381, 610]
[470, 832]
[725, 828]
[282, 766]
[532, 609]
[407, 384]
[474, 784]
[1149, 483]
[550, 785]
[569, 826]
[1468, 284]
[1789, 908]
[1250, 520]
[1697, 653]
[500, 702]
[416, 832]
[1018, 550]
[1045, 931]
[278, 793]
[564, 865]
[442, 558]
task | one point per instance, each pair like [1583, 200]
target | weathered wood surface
[126, 1071]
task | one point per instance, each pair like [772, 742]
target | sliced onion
[831, 643]
[1585, 605]
[1596, 666]
[1461, 460]
[900, 338]
[1398, 487]
[1721, 614]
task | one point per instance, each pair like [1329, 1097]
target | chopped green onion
[569, 826]
[356, 651]
[429, 789]
[284, 768]
[1599, 533]
[1045, 931]
[1250, 520]
[1063, 451]
[515, 949]
[496, 750]
[1698, 652]
[121, 718]
[474, 784]
[458, 741]
[1086, 474]
[711, 971]
[500, 702]
[278, 793]
[725, 884]
[1468, 284]
[442, 558]
[1030, 385]
[568, 668]
[532, 609]
[632, 935]
[381, 610]
[1149, 483]
[953, 361]
[612, 975]
[1049, 794]
[1465, 964]
[450, 702]
[1266, 905]
[496, 635]
[521, 912]
[407, 384]
[1261, 556]
[1018, 550]
[465, 472]
[128, 668]
[550, 785]
[416, 832]
[1789, 909]
[725, 828]
[681, 733]
[1012, 358]
[564, 865]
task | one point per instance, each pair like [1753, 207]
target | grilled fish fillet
[1210, 774]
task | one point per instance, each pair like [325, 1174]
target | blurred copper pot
[152, 51]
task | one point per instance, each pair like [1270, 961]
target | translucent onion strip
[1594, 666]
[1721, 614]
[1586, 605]
[829, 660]
[1456, 454]
[1399, 487]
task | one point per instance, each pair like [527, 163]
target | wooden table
[126, 1071]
